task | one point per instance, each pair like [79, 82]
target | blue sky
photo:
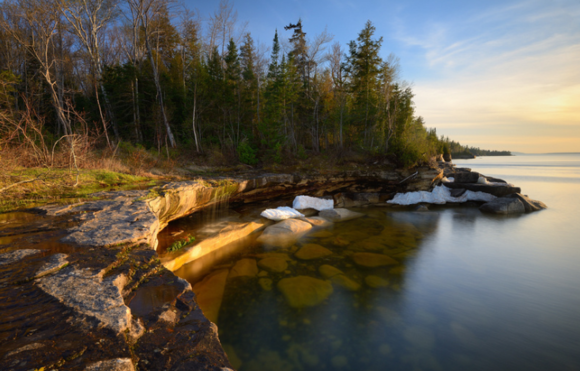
[492, 74]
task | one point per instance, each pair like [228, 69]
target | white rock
[307, 202]
[439, 195]
[281, 213]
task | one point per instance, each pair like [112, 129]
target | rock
[312, 251]
[55, 262]
[265, 284]
[370, 260]
[90, 295]
[317, 221]
[16, 255]
[369, 244]
[232, 356]
[339, 215]
[244, 268]
[498, 190]
[458, 192]
[357, 199]
[512, 204]
[447, 157]
[119, 364]
[466, 177]
[328, 271]
[210, 292]
[285, 233]
[376, 281]
[273, 264]
[281, 213]
[304, 291]
[345, 282]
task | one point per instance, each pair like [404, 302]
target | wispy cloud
[515, 66]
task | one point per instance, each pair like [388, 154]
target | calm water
[472, 292]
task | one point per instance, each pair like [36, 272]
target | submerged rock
[328, 271]
[376, 281]
[370, 260]
[312, 251]
[265, 284]
[345, 282]
[16, 255]
[273, 264]
[244, 268]
[512, 204]
[304, 291]
[339, 215]
[317, 221]
[285, 233]
[210, 292]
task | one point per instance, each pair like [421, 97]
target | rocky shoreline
[73, 306]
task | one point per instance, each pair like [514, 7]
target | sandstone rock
[370, 260]
[16, 255]
[312, 251]
[119, 364]
[285, 233]
[357, 199]
[55, 262]
[339, 215]
[90, 295]
[328, 271]
[273, 264]
[345, 282]
[210, 292]
[376, 281]
[447, 157]
[304, 291]
[244, 268]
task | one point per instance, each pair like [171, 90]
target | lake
[471, 291]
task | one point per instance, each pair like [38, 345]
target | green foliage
[178, 245]
[301, 153]
[246, 153]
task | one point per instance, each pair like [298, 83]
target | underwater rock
[273, 264]
[321, 234]
[369, 244]
[244, 268]
[339, 215]
[339, 361]
[210, 292]
[318, 221]
[16, 255]
[304, 291]
[232, 356]
[345, 282]
[285, 233]
[376, 281]
[312, 251]
[265, 284]
[370, 260]
[328, 271]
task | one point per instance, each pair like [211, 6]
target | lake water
[471, 292]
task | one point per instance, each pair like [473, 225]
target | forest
[153, 78]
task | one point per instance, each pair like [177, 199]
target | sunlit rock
[273, 264]
[339, 215]
[304, 291]
[376, 281]
[210, 292]
[285, 233]
[328, 271]
[244, 268]
[117, 364]
[16, 255]
[371, 260]
[318, 221]
[312, 251]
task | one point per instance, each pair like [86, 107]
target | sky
[501, 75]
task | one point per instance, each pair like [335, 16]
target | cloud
[511, 67]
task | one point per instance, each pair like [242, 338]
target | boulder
[370, 260]
[285, 233]
[447, 157]
[458, 192]
[244, 268]
[304, 291]
[273, 264]
[312, 251]
[265, 283]
[498, 190]
[512, 204]
[339, 215]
